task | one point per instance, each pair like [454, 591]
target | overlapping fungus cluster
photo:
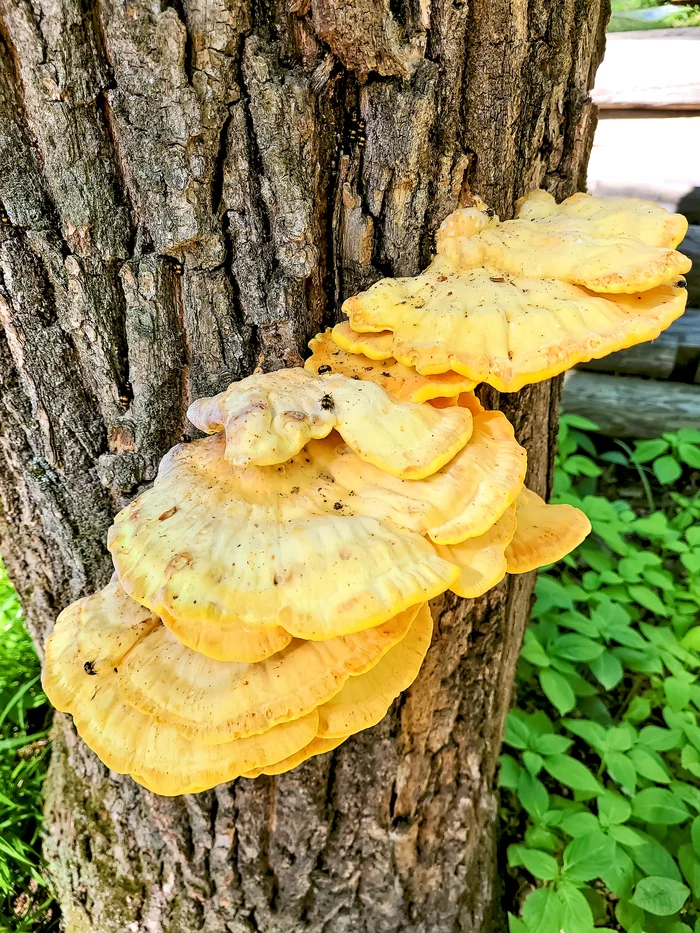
[271, 589]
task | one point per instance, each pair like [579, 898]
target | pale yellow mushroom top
[269, 417]
[611, 217]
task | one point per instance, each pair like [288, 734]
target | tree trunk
[190, 188]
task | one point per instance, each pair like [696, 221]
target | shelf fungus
[272, 586]
[268, 418]
[517, 302]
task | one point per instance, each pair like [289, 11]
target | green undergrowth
[601, 765]
[24, 716]
[632, 15]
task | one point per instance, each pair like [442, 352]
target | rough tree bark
[190, 188]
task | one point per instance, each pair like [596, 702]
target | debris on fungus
[272, 586]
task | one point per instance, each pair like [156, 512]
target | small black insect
[89, 668]
[322, 370]
[327, 403]
[490, 213]
[681, 283]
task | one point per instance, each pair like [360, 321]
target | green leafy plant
[603, 750]
[23, 758]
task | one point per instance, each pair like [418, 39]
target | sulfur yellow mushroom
[611, 217]
[317, 746]
[507, 331]
[544, 534]
[402, 382]
[265, 546]
[562, 246]
[320, 546]
[482, 560]
[216, 701]
[364, 700]
[268, 418]
[131, 742]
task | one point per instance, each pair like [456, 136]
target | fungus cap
[266, 546]
[482, 560]
[268, 418]
[376, 347]
[612, 217]
[544, 534]
[131, 742]
[215, 702]
[400, 381]
[562, 246]
[317, 746]
[365, 699]
[507, 331]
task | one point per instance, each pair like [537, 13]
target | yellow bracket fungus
[402, 382]
[273, 584]
[544, 533]
[365, 699]
[268, 418]
[611, 217]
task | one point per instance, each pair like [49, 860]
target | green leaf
[607, 670]
[579, 465]
[516, 925]
[517, 732]
[533, 795]
[621, 769]
[551, 744]
[532, 762]
[660, 896]
[646, 597]
[649, 765]
[667, 470]
[586, 856]
[578, 421]
[572, 773]
[690, 866]
[644, 451]
[612, 809]
[533, 651]
[576, 914]
[537, 837]
[509, 772]
[558, 691]
[690, 454]
[658, 805]
[626, 836]
[576, 648]
[662, 740]
[619, 877]
[695, 835]
[542, 911]
[630, 917]
[654, 859]
[677, 692]
[579, 824]
[591, 732]
[638, 710]
[539, 864]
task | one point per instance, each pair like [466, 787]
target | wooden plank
[654, 68]
[679, 345]
[653, 157]
[626, 406]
